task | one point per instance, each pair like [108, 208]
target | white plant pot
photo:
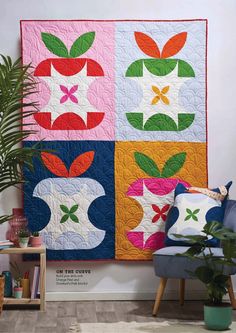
[23, 242]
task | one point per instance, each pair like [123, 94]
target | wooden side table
[29, 250]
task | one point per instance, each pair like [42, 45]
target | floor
[61, 315]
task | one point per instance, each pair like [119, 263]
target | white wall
[131, 278]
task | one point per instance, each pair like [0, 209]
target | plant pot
[36, 241]
[23, 241]
[18, 292]
[2, 283]
[218, 317]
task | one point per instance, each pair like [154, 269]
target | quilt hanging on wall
[122, 111]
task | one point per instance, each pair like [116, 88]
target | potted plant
[17, 290]
[36, 239]
[212, 271]
[16, 85]
[23, 236]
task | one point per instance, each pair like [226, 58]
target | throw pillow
[193, 208]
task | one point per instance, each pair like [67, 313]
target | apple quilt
[122, 114]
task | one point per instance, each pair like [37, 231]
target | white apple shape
[174, 84]
[69, 199]
[70, 192]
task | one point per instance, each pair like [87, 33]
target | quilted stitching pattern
[132, 93]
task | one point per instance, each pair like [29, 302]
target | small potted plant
[212, 271]
[23, 236]
[35, 239]
[17, 290]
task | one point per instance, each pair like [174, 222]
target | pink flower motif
[68, 94]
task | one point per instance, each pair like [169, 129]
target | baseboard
[121, 296]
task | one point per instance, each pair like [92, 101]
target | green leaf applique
[69, 213]
[74, 218]
[74, 209]
[191, 214]
[173, 165]
[64, 209]
[147, 164]
[55, 45]
[64, 218]
[82, 44]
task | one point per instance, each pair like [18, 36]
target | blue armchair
[169, 266]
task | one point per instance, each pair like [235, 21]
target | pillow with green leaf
[193, 208]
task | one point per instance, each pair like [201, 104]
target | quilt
[122, 112]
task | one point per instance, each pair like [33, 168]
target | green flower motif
[192, 214]
[69, 213]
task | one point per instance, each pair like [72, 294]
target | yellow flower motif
[160, 95]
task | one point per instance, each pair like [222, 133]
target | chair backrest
[230, 215]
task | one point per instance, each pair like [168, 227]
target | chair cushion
[168, 265]
[193, 208]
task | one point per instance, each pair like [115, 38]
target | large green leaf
[147, 164]
[173, 165]
[211, 227]
[192, 238]
[204, 274]
[194, 250]
[221, 279]
[224, 234]
[55, 45]
[82, 44]
[229, 248]
[16, 86]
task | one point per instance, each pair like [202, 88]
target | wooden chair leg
[181, 291]
[231, 294]
[160, 292]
